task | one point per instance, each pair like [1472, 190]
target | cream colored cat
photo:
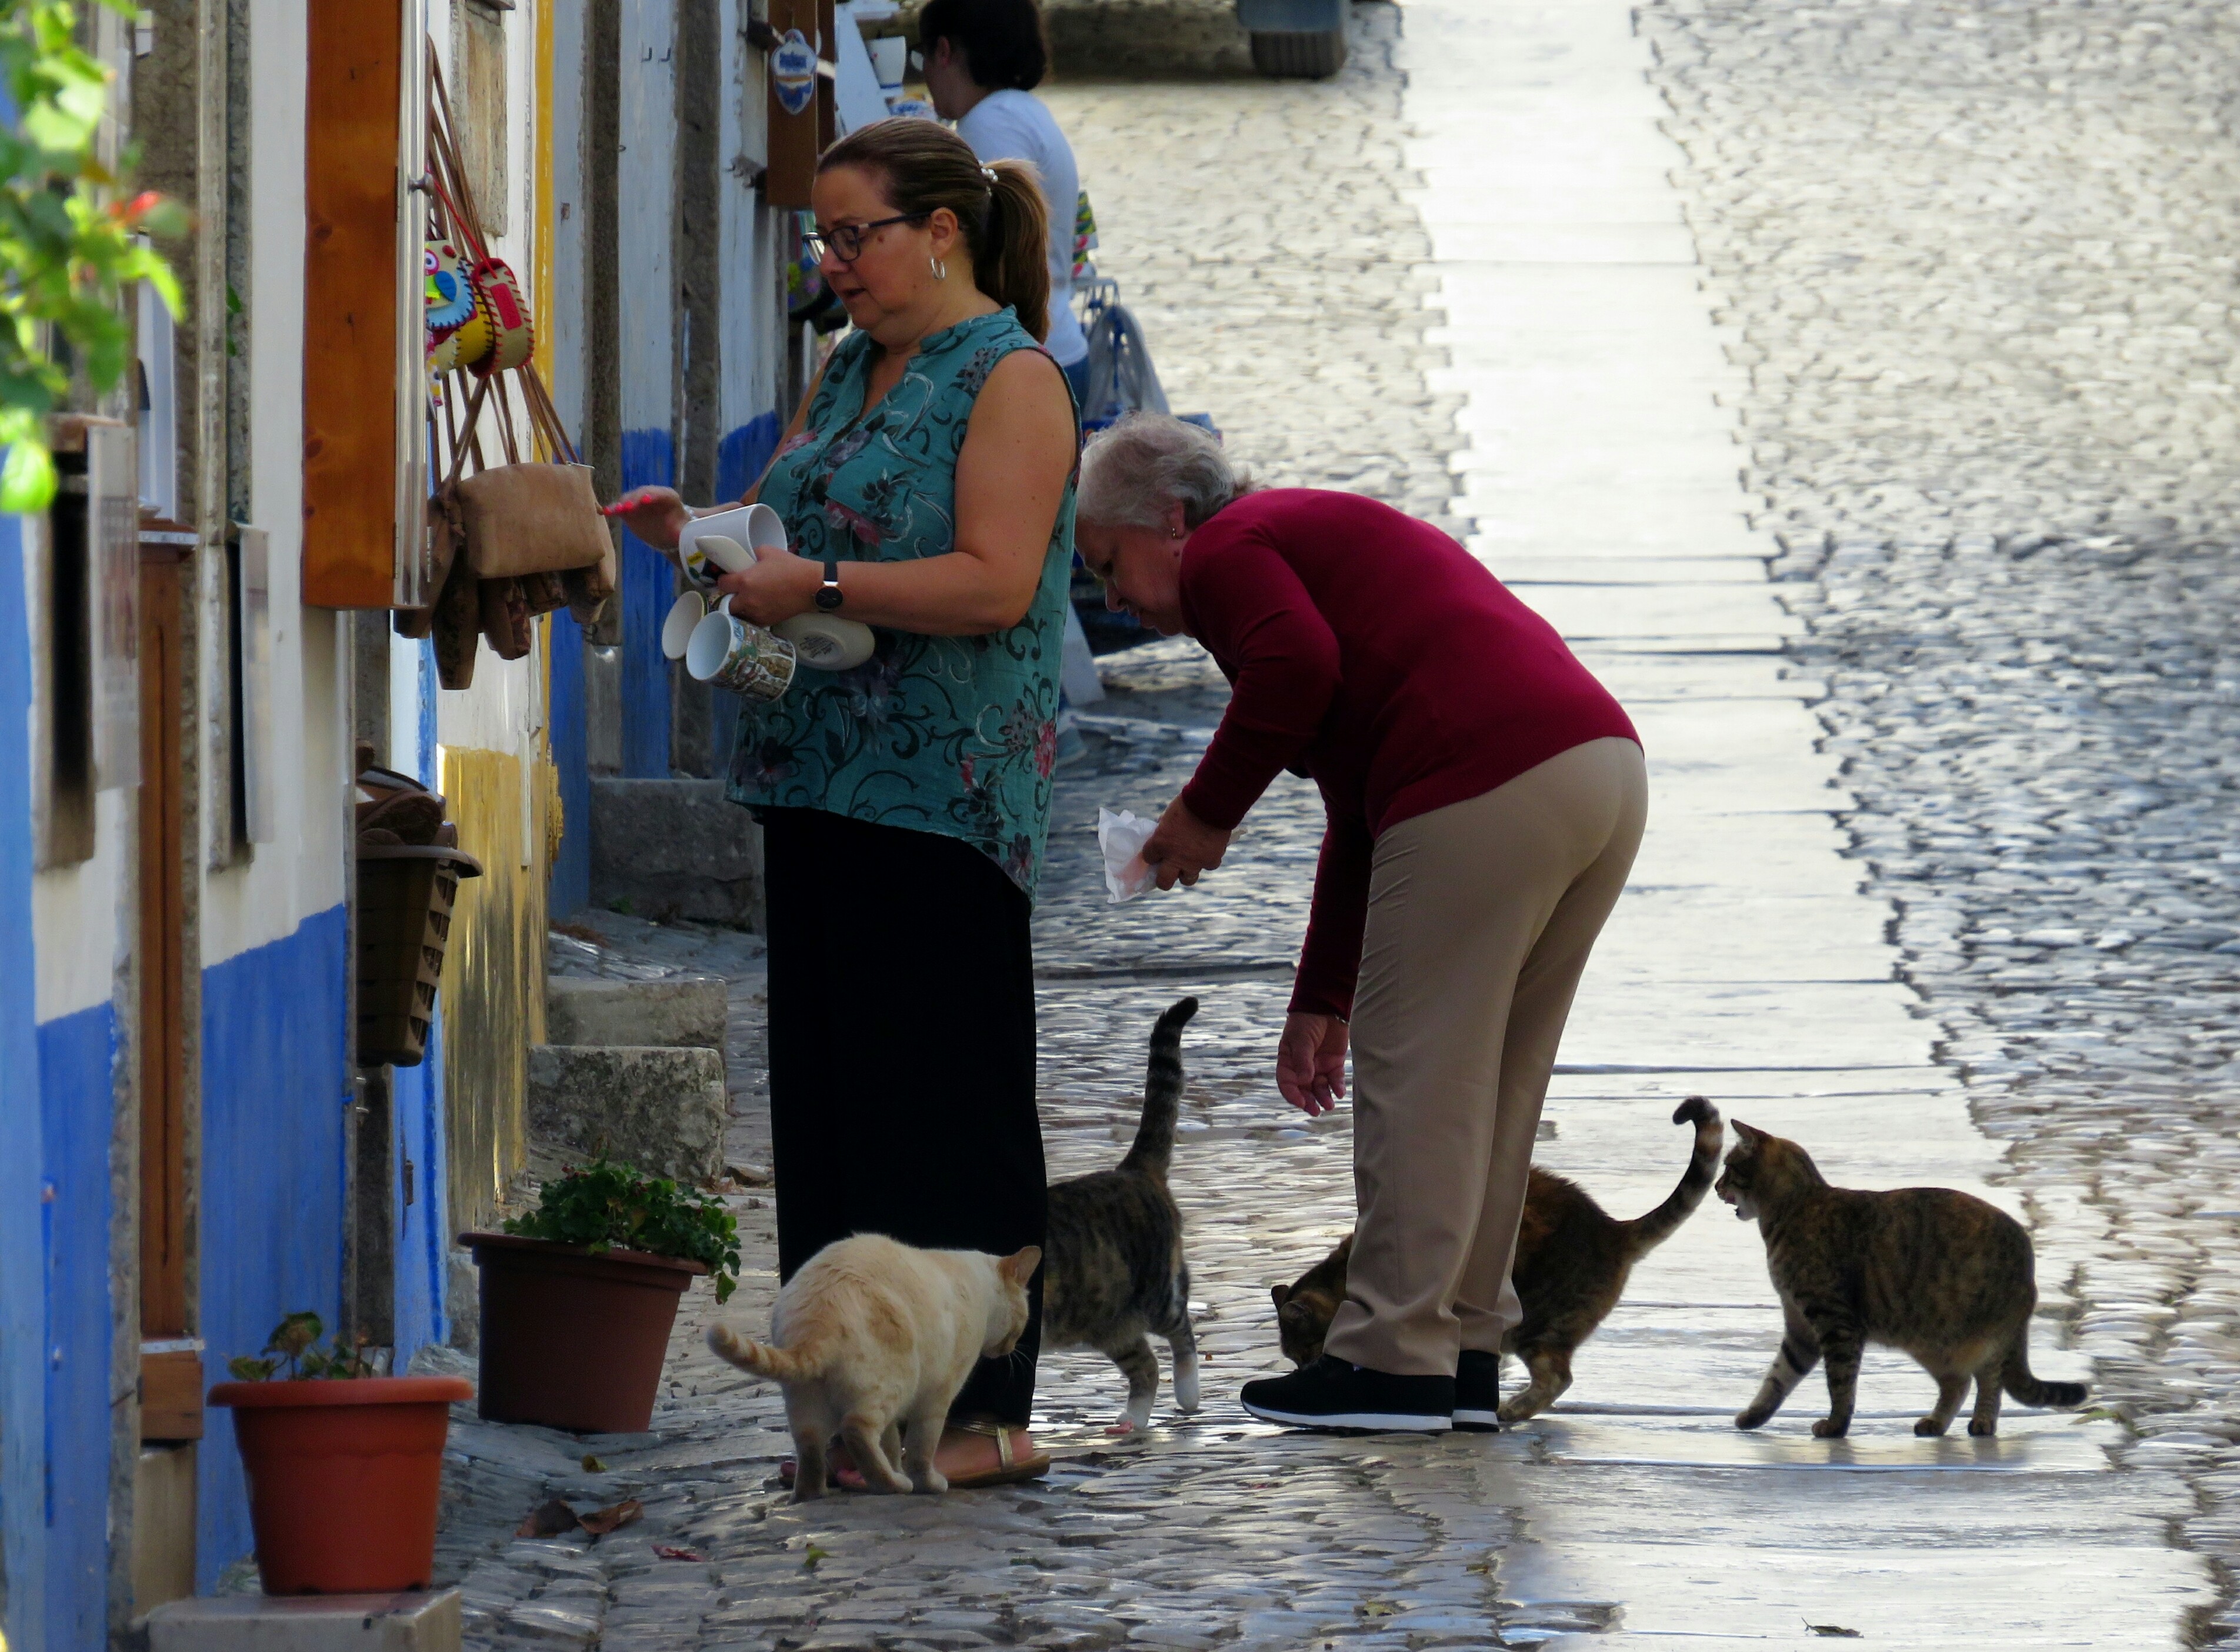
[873, 1335]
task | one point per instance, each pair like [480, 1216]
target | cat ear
[1282, 1294]
[1019, 1267]
[1750, 1135]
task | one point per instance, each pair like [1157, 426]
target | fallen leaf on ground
[592, 1465]
[1834, 1631]
[548, 1520]
[1378, 1608]
[600, 1521]
[812, 1555]
[668, 1552]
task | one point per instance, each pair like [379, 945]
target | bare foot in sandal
[977, 1453]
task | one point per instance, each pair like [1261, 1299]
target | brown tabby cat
[1939, 1275]
[1572, 1263]
[1115, 1275]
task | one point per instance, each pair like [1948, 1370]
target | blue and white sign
[793, 72]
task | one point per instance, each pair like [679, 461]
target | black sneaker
[1331, 1394]
[1477, 1392]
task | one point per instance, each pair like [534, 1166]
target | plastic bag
[1121, 837]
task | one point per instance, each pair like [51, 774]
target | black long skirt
[902, 1049]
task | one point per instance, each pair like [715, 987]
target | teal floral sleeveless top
[955, 735]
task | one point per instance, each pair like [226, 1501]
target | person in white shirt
[982, 59]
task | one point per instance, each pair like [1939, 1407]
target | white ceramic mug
[684, 614]
[740, 656]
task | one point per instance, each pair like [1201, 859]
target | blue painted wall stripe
[742, 455]
[570, 887]
[275, 1086]
[78, 1110]
[416, 1102]
[22, 1274]
[649, 459]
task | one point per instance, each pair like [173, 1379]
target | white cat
[872, 1334]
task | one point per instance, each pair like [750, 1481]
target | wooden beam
[352, 148]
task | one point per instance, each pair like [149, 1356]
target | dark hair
[1003, 40]
[924, 167]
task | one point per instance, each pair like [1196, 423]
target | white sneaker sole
[1482, 1421]
[1356, 1422]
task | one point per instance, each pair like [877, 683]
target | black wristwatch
[828, 594]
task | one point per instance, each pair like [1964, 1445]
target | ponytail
[999, 207]
[1012, 265]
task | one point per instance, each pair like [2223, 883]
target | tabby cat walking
[1573, 1259]
[1117, 1275]
[1939, 1275]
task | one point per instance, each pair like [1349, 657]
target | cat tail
[763, 1359]
[2026, 1390]
[1647, 1232]
[1163, 1093]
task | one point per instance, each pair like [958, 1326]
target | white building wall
[264, 895]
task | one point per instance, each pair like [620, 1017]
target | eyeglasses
[845, 241]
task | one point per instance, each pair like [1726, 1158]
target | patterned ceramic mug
[735, 654]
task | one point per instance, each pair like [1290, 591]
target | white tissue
[1121, 837]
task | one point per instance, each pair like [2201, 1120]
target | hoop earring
[940, 267]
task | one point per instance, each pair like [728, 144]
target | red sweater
[1372, 653]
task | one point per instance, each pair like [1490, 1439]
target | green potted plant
[344, 1468]
[579, 1297]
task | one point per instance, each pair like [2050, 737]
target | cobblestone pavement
[1980, 262]
[1258, 230]
[2021, 695]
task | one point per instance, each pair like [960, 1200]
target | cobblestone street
[1942, 711]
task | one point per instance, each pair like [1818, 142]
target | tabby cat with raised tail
[1573, 1259]
[1115, 1275]
[1939, 1275]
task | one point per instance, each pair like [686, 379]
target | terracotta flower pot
[343, 1479]
[572, 1339]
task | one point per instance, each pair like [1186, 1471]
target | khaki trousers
[1481, 916]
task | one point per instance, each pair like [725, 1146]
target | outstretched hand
[656, 515]
[1181, 846]
[1310, 1062]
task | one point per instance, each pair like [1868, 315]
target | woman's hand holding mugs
[1310, 1062]
[656, 515]
[778, 586]
[1181, 846]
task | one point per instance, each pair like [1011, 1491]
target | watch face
[828, 597]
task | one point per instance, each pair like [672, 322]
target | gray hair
[1133, 473]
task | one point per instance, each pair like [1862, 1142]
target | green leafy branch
[295, 1340]
[607, 1206]
[69, 247]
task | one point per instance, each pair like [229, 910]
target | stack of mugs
[719, 646]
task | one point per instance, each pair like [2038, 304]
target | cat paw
[1929, 1427]
[1982, 1430]
[1125, 1425]
[1829, 1428]
[1750, 1419]
[1520, 1410]
[804, 1492]
[930, 1482]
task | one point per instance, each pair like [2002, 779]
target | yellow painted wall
[494, 971]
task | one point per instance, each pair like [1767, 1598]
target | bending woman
[1486, 798]
[927, 484]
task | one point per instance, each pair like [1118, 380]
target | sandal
[1011, 1470]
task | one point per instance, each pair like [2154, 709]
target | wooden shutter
[365, 408]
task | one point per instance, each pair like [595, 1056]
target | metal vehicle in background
[1296, 39]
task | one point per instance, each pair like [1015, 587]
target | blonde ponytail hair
[925, 167]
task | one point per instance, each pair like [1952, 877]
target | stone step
[675, 1012]
[667, 850]
[410, 1623]
[660, 1108]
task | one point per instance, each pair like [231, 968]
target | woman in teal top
[927, 485]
